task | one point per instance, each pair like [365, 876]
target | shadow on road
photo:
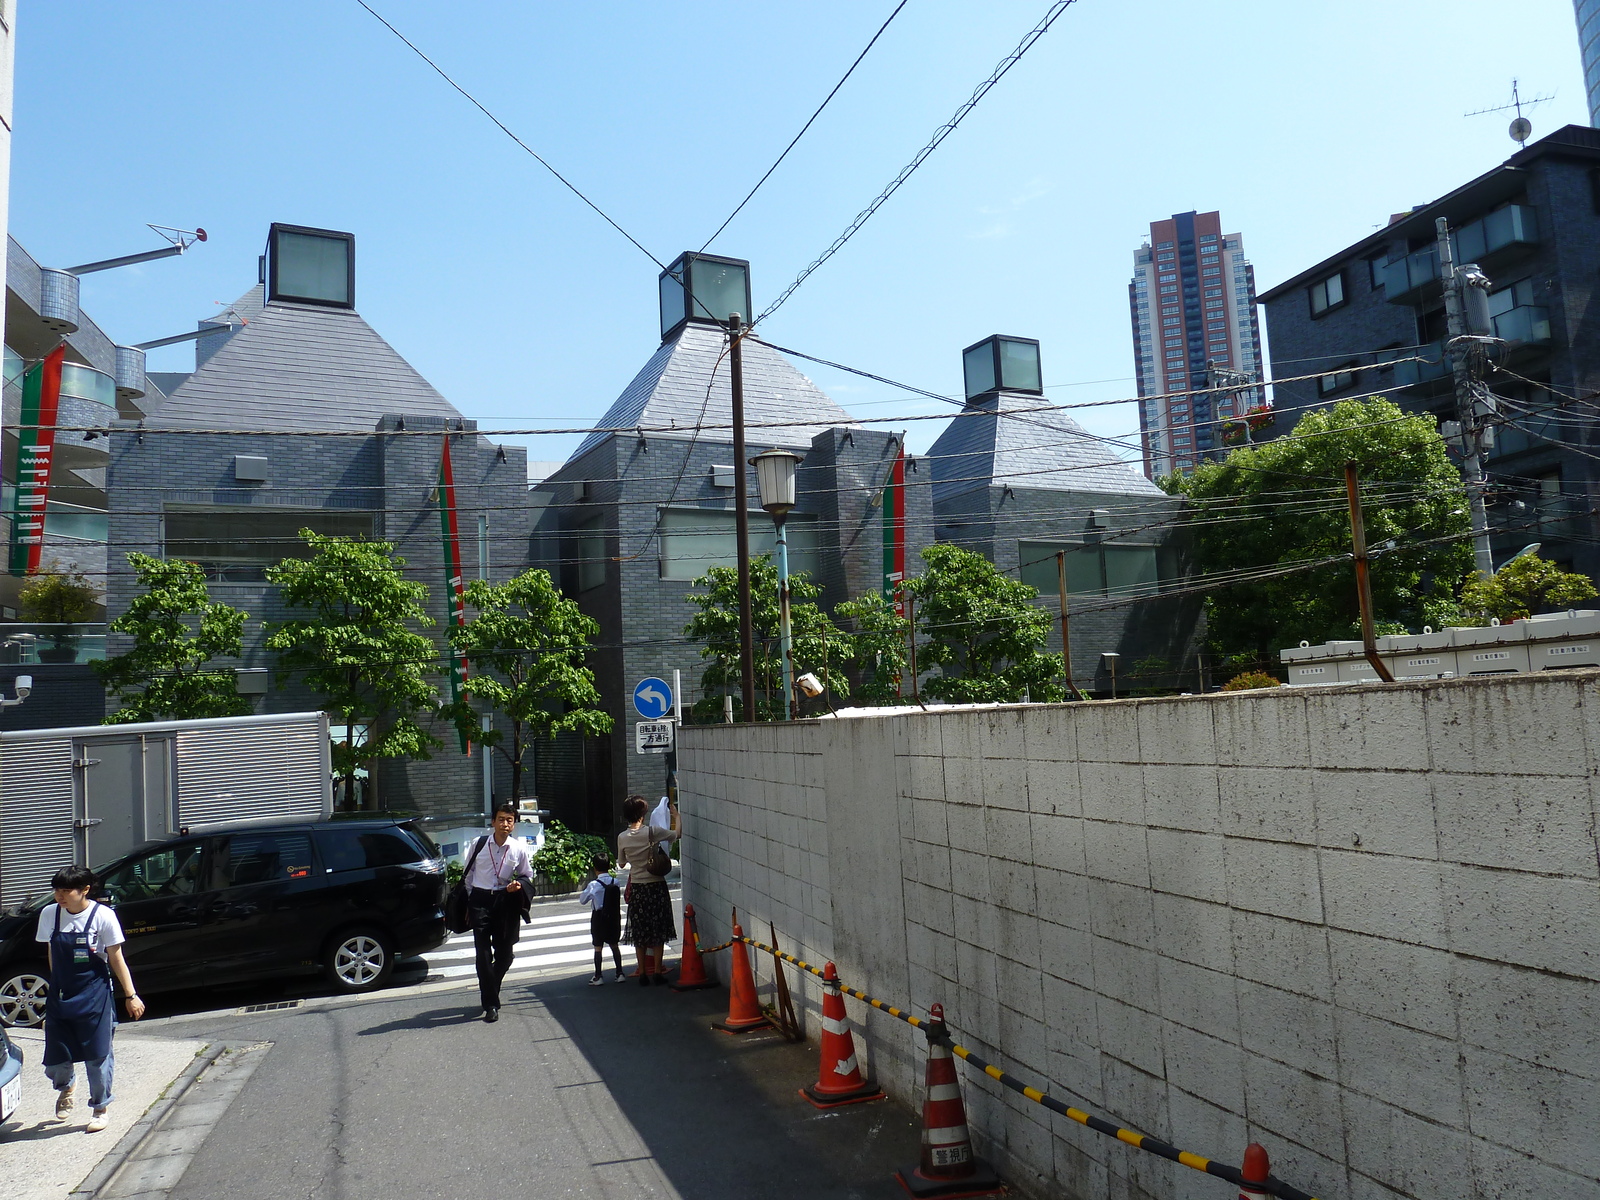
[721, 1115]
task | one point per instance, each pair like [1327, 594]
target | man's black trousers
[495, 926]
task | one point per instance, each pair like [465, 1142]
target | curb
[142, 1128]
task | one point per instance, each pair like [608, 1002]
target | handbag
[658, 861]
[457, 911]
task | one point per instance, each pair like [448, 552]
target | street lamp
[775, 485]
[1109, 658]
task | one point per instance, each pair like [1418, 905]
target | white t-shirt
[594, 893]
[104, 929]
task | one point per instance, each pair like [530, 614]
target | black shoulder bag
[457, 912]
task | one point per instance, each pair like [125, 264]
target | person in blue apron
[84, 945]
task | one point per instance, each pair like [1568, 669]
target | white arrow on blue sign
[652, 699]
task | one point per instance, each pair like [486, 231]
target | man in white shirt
[496, 866]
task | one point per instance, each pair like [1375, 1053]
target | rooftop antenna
[1521, 128]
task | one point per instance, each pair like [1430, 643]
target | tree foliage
[819, 646]
[56, 596]
[177, 631]
[526, 646]
[357, 647]
[981, 629]
[1522, 587]
[879, 641]
[1282, 504]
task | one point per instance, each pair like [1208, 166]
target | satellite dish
[1520, 129]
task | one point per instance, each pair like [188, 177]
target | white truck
[93, 793]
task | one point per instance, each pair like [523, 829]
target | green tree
[878, 646]
[1282, 504]
[819, 646]
[62, 598]
[177, 630]
[357, 648]
[982, 630]
[526, 646]
[1522, 587]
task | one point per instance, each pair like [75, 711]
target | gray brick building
[1018, 480]
[645, 505]
[302, 416]
[1533, 225]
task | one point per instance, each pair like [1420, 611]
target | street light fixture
[775, 485]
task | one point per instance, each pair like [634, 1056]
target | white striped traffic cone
[948, 1168]
[839, 1081]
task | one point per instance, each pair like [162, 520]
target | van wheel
[22, 997]
[359, 960]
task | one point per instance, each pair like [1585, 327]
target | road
[577, 1091]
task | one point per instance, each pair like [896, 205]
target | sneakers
[597, 981]
[621, 977]
[97, 1121]
[64, 1104]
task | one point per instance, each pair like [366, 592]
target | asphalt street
[576, 1091]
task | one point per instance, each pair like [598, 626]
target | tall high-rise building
[1193, 304]
[1588, 14]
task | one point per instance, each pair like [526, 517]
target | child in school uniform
[603, 896]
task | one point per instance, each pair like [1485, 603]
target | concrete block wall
[1360, 925]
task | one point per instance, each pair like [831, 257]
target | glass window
[353, 848]
[693, 540]
[309, 266]
[1327, 293]
[265, 857]
[978, 367]
[1169, 288]
[1037, 562]
[1171, 320]
[719, 289]
[591, 548]
[674, 302]
[234, 545]
[169, 871]
[1131, 569]
[1019, 365]
[1163, 245]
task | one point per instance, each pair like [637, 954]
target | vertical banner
[36, 443]
[453, 585]
[894, 530]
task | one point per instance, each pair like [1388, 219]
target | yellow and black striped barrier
[1140, 1141]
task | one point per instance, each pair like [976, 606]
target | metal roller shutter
[246, 774]
[35, 816]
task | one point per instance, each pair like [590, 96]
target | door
[110, 796]
[159, 899]
[264, 917]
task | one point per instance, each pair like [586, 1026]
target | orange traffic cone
[744, 1010]
[839, 1082]
[691, 967]
[948, 1167]
[1256, 1170]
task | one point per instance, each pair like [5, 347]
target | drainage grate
[273, 1007]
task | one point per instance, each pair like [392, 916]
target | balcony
[88, 399]
[36, 644]
[1525, 325]
[1514, 227]
[1404, 279]
[1426, 376]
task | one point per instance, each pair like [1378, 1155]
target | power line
[567, 183]
[805, 127]
[944, 131]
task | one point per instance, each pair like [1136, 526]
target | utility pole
[741, 520]
[1221, 377]
[1358, 540]
[911, 633]
[1066, 644]
[1470, 433]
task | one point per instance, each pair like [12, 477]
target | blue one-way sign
[652, 699]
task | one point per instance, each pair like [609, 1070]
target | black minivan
[256, 901]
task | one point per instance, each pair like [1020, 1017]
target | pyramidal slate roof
[297, 366]
[671, 391]
[1022, 442]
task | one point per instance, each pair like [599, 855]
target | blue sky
[1305, 124]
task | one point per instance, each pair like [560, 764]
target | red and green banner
[36, 444]
[894, 530]
[455, 588]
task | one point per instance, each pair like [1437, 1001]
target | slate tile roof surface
[1020, 441]
[671, 391]
[298, 366]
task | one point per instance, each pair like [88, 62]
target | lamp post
[775, 483]
[1110, 657]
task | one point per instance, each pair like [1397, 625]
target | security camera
[24, 685]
